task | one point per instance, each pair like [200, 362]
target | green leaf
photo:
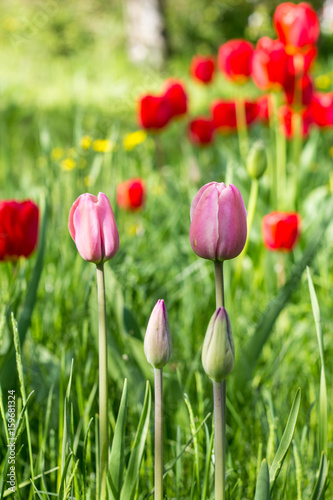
[286, 439]
[323, 411]
[116, 464]
[252, 350]
[132, 474]
[262, 487]
[320, 483]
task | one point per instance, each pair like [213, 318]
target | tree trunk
[146, 32]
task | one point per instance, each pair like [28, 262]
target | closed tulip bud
[201, 131]
[234, 60]
[296, 25]
[93, 228]
[157, 343]
[218, 222]
[202, 68]
[257, 160]
[218, 351]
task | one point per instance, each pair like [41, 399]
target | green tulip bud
[257, 160]
[218, 352]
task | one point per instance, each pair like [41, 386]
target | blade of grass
[85, 446]
[195, 442]
[262, 487]
[319, 488]
[63, 476]
[132, 474]
[323, 407]
[116, 463]
[285, 440]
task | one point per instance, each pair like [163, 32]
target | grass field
[62, 80]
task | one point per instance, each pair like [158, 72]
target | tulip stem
[158, 375]
[219, 424]
[103, 381]
[220, 391]
[219, 286]
[243, 137]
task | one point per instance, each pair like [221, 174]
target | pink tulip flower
[157, 343]
[93, 228]
[218, 222]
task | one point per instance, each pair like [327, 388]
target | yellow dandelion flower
[85, 142]
[68, 164]
[134, 139]
[57, 154]
[103, 146]
[323, 82]
[89, 180]
[331, 151]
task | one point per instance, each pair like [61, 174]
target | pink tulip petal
[108, 228]
[87, 227]
[204, 226]
[231, 223]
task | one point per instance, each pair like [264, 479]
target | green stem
[103, 380]
[297, 149]
[219, 286]
[219, 423]
[220, 391]
[280, 171]
[158, 373]
[243, 137]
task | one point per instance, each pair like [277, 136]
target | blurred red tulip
[263, 106]
[301, 61]
[298, 90]
[234, 60]
[201, 131]
[202, 68]
[19, 222]
[280, 230]
[154, 112]
[321, 109]
[296, 25]
[269, 64]
[287, 116]
[224, 114]
[131, 194]
[175, 94]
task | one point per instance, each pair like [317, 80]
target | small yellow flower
[89, 180]
[323, 82]
[68, 164]
[85, 142]
[133, 139]
[57, 154]
[331, 151]
[135, 229]
[103, 146]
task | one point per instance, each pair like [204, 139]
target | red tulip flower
[301, 61]
[269, 64]
[19, 222]
[203, 68]
[201, 131]
[175, 94]
[263, 108]
[296, 25]
[298, 90]
[131, 194]
[154, 112]
[234, 60]
[286, 117]
[280, 230]
[321, 109]
[224, 114]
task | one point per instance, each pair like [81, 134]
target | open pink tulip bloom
[93, 228]
[218, 222]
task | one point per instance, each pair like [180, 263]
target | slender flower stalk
[158, 376]
[103, 380]
[157, 347]
[220, 391]
[243, 137]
